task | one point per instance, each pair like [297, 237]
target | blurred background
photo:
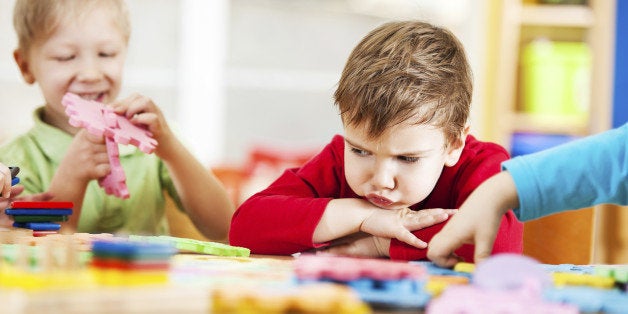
[248, 84]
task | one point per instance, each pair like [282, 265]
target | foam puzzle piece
[574, 279]
[38, 212]
[589, 299]
[471, 299]
[114, 183]
[310, 298]
[381, 283]
[44, 218]
[435, 270]
[509, 271]
[38, 226]
[41, 205]
[390, 294]
[308, 266]
[123, 249]
[196, 246]
[100, 120]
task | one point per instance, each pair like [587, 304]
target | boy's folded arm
[342, 217]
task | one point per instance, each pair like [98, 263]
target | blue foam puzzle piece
[569, 268]
[38, 226]
[402, 293]
[15, 181]
[132, 249]
[589, 299]
[435, 270]
[38, 212]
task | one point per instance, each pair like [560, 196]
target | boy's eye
[408, 159]
[64, 58]
[107, 54]
[359, 152]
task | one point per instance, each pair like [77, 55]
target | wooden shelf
[568, 125]
[518, 23]
[558, 15]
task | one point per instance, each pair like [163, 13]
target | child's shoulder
[476, 151]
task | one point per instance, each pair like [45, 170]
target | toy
[381, 283]
[195, 246]
[14, 179]
[39, 216]
[99, 120]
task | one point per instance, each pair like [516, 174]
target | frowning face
[401, 167]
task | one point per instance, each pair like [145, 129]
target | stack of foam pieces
[42, 217]
[131, 262]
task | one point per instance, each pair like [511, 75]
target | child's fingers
[409, 238]
[16, 190]
[423, 219]
[5, 184]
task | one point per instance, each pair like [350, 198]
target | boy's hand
[398, 223]
[141, 110]
[86, 159]
[5, 181]
[370, 246]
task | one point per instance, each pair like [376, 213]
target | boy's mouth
[379, 201]
[99, 97]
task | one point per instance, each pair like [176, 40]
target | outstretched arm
[476, 222]
[202, 195]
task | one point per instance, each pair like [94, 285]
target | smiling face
[399, 168]
[84, 55]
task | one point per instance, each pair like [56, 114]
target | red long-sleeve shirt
[281, 219]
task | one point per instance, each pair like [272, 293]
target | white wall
[231, 74]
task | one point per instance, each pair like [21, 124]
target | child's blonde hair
[407, 70]
[38, 19]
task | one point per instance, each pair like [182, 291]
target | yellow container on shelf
[556, 78]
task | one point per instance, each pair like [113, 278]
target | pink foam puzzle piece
[85, 114]
[472, 299]
[128, 133]
[308, 266]
[115, 182]
[95, 116]
[100, 120]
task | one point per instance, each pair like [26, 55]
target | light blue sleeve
[586, 172]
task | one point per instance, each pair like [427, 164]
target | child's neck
[57, 120]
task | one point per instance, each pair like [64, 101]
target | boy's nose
[383, 176]
[89, 71]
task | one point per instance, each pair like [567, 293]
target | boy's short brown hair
[404, 71]
[37, 19]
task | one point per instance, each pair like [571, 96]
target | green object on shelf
[556, 78]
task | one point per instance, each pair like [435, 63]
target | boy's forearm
[202, 195]
[342, 217]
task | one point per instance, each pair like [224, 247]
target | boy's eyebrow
[414, 153]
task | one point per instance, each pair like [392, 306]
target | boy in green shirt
[80, 47]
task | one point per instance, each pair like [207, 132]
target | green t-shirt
[38, 154]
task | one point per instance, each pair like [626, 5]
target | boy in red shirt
[404, 99]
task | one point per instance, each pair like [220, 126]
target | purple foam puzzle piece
[509, 271]
[100, 120]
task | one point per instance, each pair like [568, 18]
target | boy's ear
[22, 63]
[455, 150]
